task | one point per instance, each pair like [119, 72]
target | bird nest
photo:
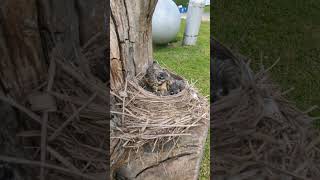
[142, 119]
[66, 132]
[260, 134]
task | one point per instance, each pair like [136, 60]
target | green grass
[279, 28]
[207, 9]
[184, 3]
[191, 62]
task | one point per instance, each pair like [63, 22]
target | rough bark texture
[29, 31]
[22, 63]
[130, 38]
[182, 163]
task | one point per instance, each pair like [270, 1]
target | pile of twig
[260, 135]
[141, 118]
[68, 123]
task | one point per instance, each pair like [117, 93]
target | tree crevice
[163, 161]
[118, 39]
[131, 51]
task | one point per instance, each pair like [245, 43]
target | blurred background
[268, 30]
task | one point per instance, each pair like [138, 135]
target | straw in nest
[260, 135]
[142, 119]
[66, 136]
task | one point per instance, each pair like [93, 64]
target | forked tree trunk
[130, 38]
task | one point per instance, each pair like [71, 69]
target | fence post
[193, 21]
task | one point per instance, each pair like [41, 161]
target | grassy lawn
[191, 62]
[207, 9]
[279, 28]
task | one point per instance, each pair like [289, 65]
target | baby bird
[157, 79]
[163, 89]
[175, 87]
[225, 73]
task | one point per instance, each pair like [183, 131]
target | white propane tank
[193, 22]
[166, 21]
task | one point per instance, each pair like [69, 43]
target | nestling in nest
[151, 112]
[161, 82]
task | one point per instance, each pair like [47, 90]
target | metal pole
[193, 22]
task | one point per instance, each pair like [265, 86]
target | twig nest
[260, 134]
[144, 118]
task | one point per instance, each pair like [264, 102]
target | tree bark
[30, 29]
[130, 39]
[22, 63]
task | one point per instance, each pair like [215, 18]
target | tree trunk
[22, 64]
[30, 30]
[130, 38]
